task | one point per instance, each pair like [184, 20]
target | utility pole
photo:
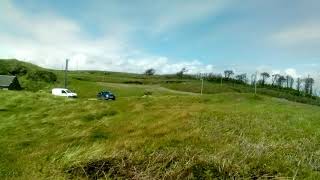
[201, 85]
[66, 75]
[221, 81]
[77, 66]
[255, 83]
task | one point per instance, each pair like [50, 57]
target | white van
[64, 92]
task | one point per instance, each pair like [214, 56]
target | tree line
[301, 86]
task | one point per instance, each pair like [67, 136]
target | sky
[131, 36]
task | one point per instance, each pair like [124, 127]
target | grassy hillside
[174, 133]
[184, 84]
[85, 82]
[173, 136]
[7, 65]
[31, 77]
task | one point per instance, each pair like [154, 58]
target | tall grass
[167, 136]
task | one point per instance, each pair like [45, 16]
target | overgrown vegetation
[40, 75]
[159, 128]
[227, 135]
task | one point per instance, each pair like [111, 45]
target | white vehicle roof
[60, 89]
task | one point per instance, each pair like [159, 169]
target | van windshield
[68, 91]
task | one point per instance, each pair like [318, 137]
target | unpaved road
[152, 87]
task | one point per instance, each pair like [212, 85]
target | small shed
[9, 82]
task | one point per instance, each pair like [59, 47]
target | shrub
[18, 70]
[3, 70]
[147, 93]
[45, 76]
[150, 72]
[133, 82]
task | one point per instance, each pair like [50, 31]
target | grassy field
[171, 133]
[89, 82]
[168, 135]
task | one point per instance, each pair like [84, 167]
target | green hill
[172, 133]
[31, 77]
[16, 67]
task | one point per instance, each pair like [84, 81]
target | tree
[281, 80]
[150, 72]
[299, 82]
[242, 78]
[275, 78]
[181, 72]
[264, 76]
[228, 74]
[308, 85]
[290, 81]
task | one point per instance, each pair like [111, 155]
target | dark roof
[6, 81]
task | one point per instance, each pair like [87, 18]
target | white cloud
[305, 33]
[291, 72]
[48, 39]
[287, 71]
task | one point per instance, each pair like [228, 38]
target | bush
[45, 76]
[147, 93]
[133, 82]
[3, 70]
[150, 72]
[18, 70]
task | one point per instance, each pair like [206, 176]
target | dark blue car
[106, 95]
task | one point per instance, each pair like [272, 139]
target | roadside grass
[185, 85]
[170, 136]
[87, 89]
[214, 88]
[195, 87]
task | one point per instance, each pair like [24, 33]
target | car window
[62, 91]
